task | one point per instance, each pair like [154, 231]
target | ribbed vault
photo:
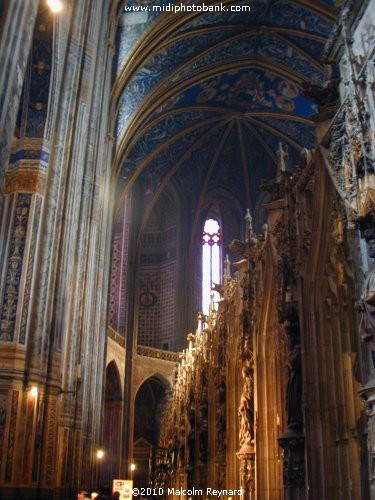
[202, 99]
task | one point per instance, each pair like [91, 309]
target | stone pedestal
[246, 457]
[293, 444]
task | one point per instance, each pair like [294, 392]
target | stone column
[53, 302]
[15, 43]
[246, 457]
[293, 444]
[25, 183]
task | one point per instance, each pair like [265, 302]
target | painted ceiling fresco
[203, 99]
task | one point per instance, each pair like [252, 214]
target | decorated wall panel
[158, 278]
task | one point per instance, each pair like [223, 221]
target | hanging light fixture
[55, 5]
[34, 391]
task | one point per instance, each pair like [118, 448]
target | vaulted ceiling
[204, 98]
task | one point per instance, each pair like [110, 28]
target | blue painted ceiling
[203, 99]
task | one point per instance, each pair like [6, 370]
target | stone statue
[173, 451]
[203, 426]
[366, 305]
[324, 96]
[220, 416]
[294, 389]
[221, 473]
[305, 157]
[191, 446]
[245, 410]
[240, 248]
[218, 288]
[282, 159]
[203, 441]
[191, 436]
[181, 449]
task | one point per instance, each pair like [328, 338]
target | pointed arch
[111, 432]
[149, 406]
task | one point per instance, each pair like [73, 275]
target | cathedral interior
[187, 284]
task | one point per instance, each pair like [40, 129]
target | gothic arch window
[211, 261]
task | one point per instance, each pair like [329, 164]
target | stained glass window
[211, 261]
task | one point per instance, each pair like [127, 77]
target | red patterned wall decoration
[38, 437]
[64, 436]
[28, 448]
[50, 436]
[117, 301]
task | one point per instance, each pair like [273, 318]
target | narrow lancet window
[211, 262]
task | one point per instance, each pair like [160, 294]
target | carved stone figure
[240, 248]
[245, 410]
[173, 452]
[191, 446]
[221, 473]
[203, 425]
[366, 305]
[203, 441]
[294, 389]
[181, 450]
[220, 417]
[274, 189]
[305, 157]
[247, 473]
[191, 436]
[325, 96]
[282, 159]
[294, 462]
